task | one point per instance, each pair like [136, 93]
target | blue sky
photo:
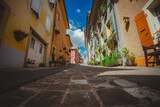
[77, 16]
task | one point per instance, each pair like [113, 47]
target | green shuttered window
[108, 2]
[104, 34]
[99, 41]
[111, 23]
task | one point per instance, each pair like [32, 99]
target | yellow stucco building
[32, 17]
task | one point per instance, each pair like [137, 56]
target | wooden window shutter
[108, 3]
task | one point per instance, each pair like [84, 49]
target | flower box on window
[31, 63]
[19, 35]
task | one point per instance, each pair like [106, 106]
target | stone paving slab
[79, 87]
[14, 98]
[46, 99]
[111, 97]
[81, 99]
[79, 81]
[36, 85]
[59, 87]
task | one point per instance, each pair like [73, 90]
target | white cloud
[73, 24]
[77, 36]
[72, 27]
[78, 10]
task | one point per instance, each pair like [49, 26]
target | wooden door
[143, 29]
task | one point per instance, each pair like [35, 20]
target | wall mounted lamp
[126, 19]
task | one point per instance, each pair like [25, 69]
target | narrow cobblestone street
[81, 86]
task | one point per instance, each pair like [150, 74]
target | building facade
[80, 59]
[60, 41]
[74, 55]
[133, 27]
[34, 20]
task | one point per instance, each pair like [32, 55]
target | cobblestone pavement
[81, 86]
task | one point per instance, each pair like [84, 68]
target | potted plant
[41, 64]
[51, 63]
[95, 33]
[30, 63]
[158, 36]
[103, 8]
[119, 58]
[88, 63]
[93, 62]
[57, 31]
[20, 35]
[112, 42]
[130, 58]
[60, 57]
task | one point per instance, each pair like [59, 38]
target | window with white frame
[47, 24]
[157, 10]
[35, 6]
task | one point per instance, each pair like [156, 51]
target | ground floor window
[40, 49]
[32, 43]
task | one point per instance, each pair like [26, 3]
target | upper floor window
[59, 16]
[47, 24]
[51, 3]
[36, 7]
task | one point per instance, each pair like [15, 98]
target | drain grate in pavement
[79, 81]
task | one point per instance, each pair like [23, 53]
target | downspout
[54, 23]
[115, 18]
[124, 59]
